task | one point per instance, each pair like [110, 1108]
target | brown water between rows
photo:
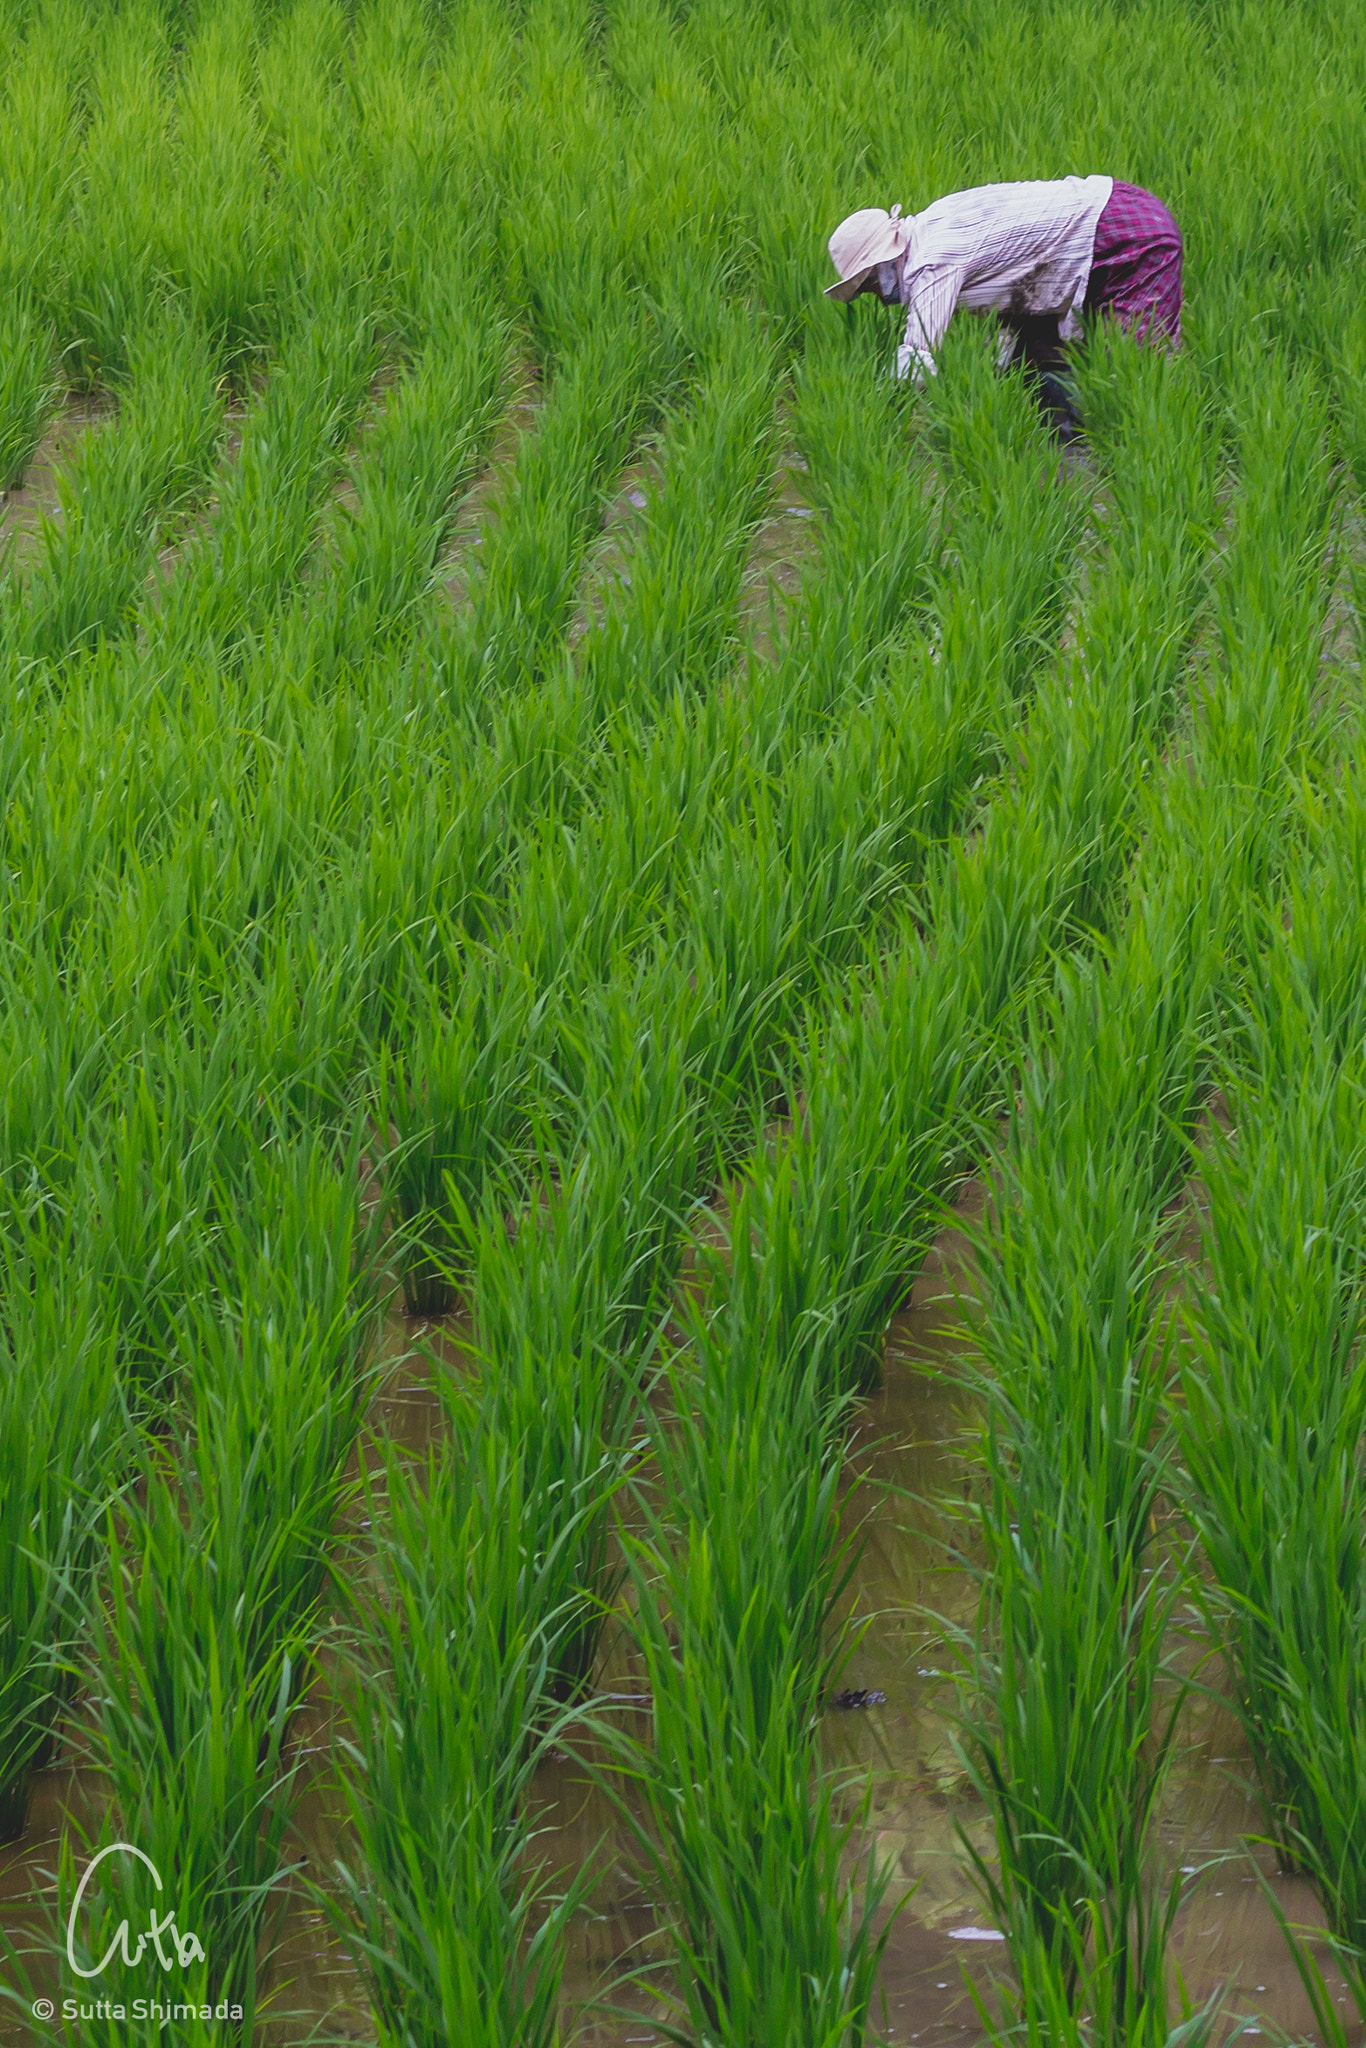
[907, 1453]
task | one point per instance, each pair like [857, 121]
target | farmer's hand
[908, 364]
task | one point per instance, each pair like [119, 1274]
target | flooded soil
[910, 1472]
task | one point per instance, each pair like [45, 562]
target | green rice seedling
[191, 1734]
[218, 1572]
[60, 1436]
[880, 1134]
[267, 505]
[622, 1058]
[534, 544]
[438, 1894]
[668, 619]
[1069, 1743]
[150, 1187]
[112, 244]
[297, 1022]
[1048, 2013]
[53, 1063]
[1098, 1145]
[737, 905]
[29, 388]
[277, 1367]
[423, 447]
[215, 234]
[879, 526]
[572, 908]
[566, 1316]
[117, 495]
[42, 113]
[1271, 1420]
[456, 1098]
[771, 1940]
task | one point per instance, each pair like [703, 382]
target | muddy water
[907, 1455]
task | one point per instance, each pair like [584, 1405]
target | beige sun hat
[861, 242]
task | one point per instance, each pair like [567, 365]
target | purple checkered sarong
[1136, 269]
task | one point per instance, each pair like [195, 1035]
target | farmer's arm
[931, 295]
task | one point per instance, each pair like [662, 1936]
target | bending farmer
[1037, 255]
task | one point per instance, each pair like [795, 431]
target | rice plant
[438, 1894]
[119, 494]
[735, 1582]
[1270, 1416]
[63, 1435]
[569, 1310]
[28, 389]
[265, 520]
[203, 1649]
[456, 1098]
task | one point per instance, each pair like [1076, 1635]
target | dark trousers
[1039, 352]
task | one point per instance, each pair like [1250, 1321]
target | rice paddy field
[682, 1039]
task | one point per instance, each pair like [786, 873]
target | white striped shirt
[1012, 249]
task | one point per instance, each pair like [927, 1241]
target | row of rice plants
[28, 388]
[734, 1582]
[61, 1426]
[205, 1628]
[196, 1701]
[118, 497]
[1269, 1421]
[423, 448]
[265, 524]
[39, 114]
[1070, 1735]
[820, 1246]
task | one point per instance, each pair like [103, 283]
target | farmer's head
[866, 250]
